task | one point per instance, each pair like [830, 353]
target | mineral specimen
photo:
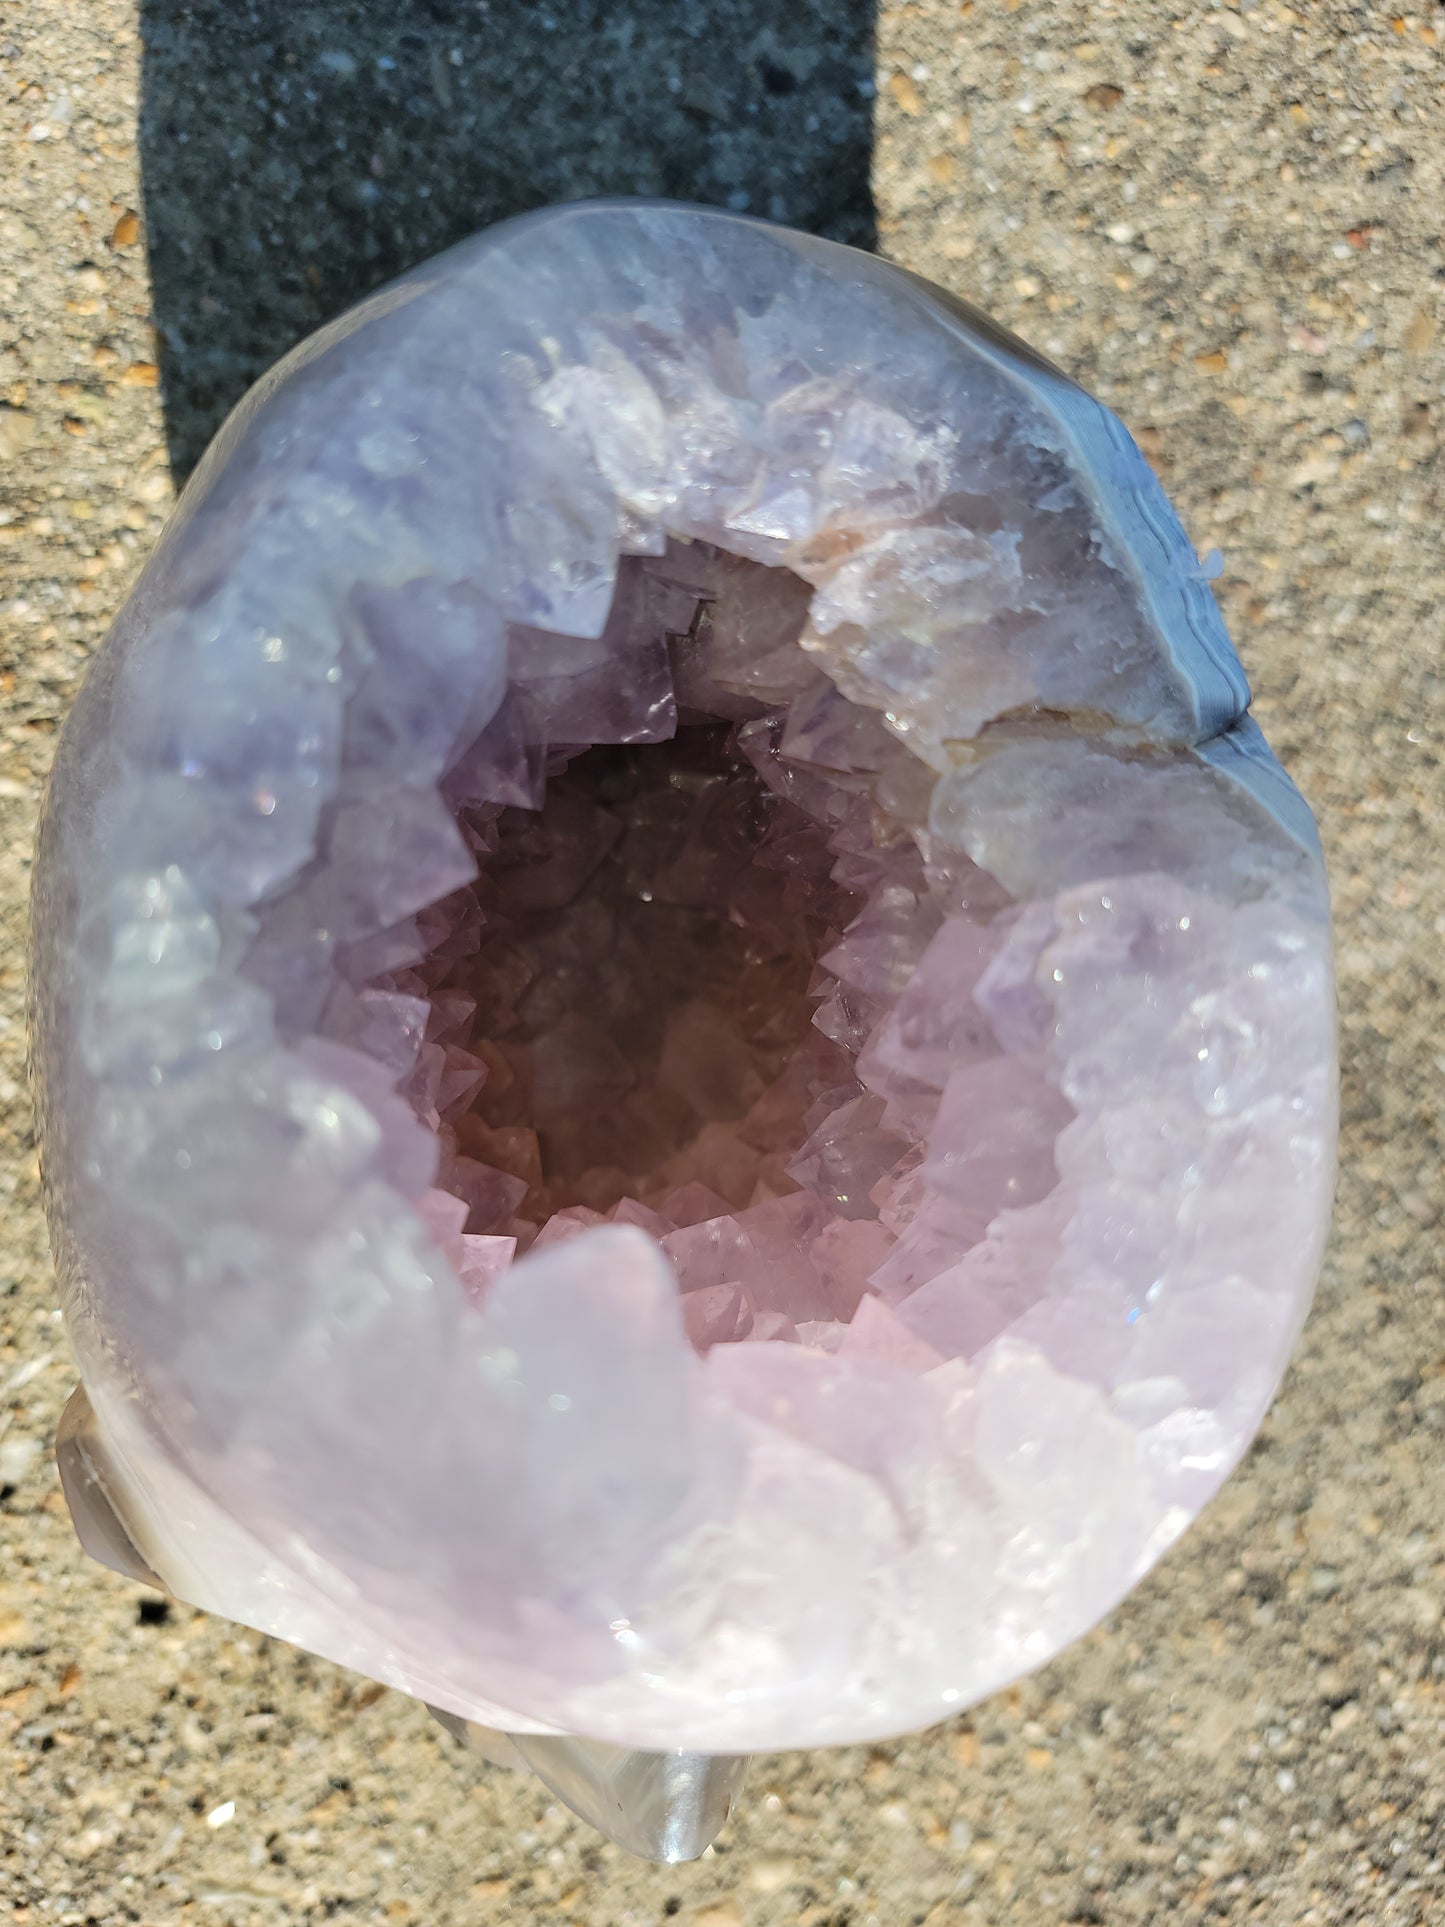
[685, 1035]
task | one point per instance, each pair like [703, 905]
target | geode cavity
[685, 1035]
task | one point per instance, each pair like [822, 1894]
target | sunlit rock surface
[685, 1036]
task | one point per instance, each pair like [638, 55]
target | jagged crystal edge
[1130, 500]
[707, 1559]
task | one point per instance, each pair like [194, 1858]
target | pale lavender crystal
[685, 1037]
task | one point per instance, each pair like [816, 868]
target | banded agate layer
[686, 1035]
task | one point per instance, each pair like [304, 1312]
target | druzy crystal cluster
[685, 1035]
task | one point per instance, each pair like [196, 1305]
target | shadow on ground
[294, 157]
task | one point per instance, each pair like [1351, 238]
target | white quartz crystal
[685, 1037]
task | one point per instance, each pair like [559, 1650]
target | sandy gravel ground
[1230, 220]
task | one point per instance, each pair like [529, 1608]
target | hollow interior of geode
[677, 994]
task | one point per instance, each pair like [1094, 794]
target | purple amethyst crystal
[685, 1036]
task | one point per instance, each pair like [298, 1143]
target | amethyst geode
[685, 1036]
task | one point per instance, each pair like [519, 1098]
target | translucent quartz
[685, 1037]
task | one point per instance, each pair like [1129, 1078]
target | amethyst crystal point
[685, 1036]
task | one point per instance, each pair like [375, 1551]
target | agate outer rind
[774, 1545]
